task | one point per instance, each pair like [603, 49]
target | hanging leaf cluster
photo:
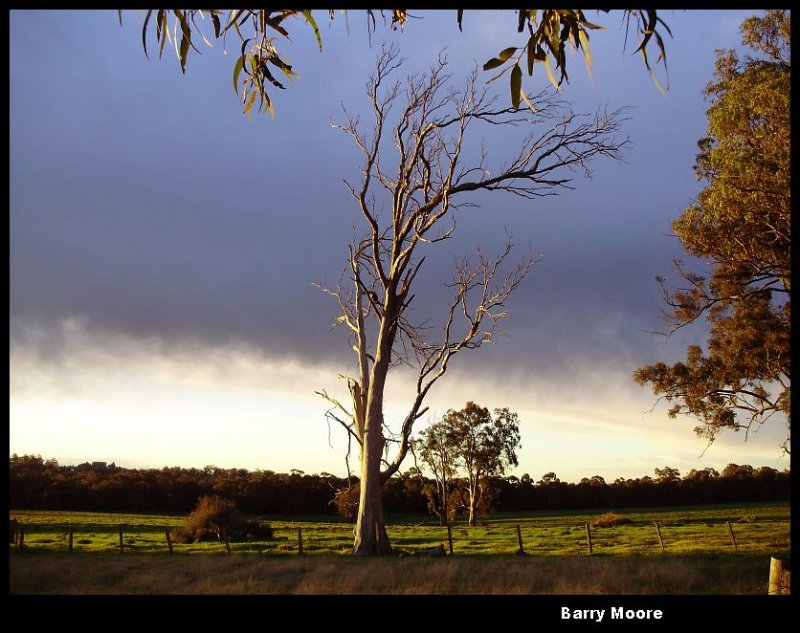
[552, 31]
[259, 66]
[257, 31]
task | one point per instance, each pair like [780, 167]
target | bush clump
[253, 531]
[346, 502]
[609, 519]
[217, 519]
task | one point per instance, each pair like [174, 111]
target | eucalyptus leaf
[144, 31]
[184, 53]
[550, 74]
[516, 85]
[531, 54]
[493, 63]
[506, 53]
[237, 69]
[310, 19]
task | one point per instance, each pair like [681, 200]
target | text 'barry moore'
[616, 613]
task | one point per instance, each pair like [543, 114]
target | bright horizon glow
[191, 408]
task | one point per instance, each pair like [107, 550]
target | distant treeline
[36, 484]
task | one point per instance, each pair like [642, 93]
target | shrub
[609, 519]
[346, 502]
[253, 531]
[181, 535]
[215, 519]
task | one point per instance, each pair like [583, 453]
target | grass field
[223, 574]
[758, 529]
[627, 559]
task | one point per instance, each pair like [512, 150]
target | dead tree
[409, 197]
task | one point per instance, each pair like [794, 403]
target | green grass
[695, 530]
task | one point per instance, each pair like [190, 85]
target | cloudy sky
[163, 250]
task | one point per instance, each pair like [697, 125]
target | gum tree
[485, 444]
[415, 177]
[436, 451]
[740, 228]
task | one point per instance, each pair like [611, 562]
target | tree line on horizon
[39, 484]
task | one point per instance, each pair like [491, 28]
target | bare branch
[329, 414]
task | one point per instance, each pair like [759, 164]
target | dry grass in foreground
[223, 574]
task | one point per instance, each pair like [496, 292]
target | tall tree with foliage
[740, 227]
[257, 33]
[485, 444]
[436, 450]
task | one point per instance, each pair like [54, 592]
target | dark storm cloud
[141, 216]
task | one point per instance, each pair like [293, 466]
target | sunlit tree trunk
[473, 501]
[370, 531]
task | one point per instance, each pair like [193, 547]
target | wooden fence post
[660, 540]
[450, 537]
[121, 545]
[519, 538]
[299, 541]
[228, 543]
[733, 538]
[779, 577]
[21, 541]
[589, 537]
[69, 541]
[169, 540]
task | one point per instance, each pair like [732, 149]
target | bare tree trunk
[371, 538]
[474, 497]
[471, 508]
[370, 534]
[370, 531]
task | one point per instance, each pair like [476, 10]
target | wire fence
[487, 538]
